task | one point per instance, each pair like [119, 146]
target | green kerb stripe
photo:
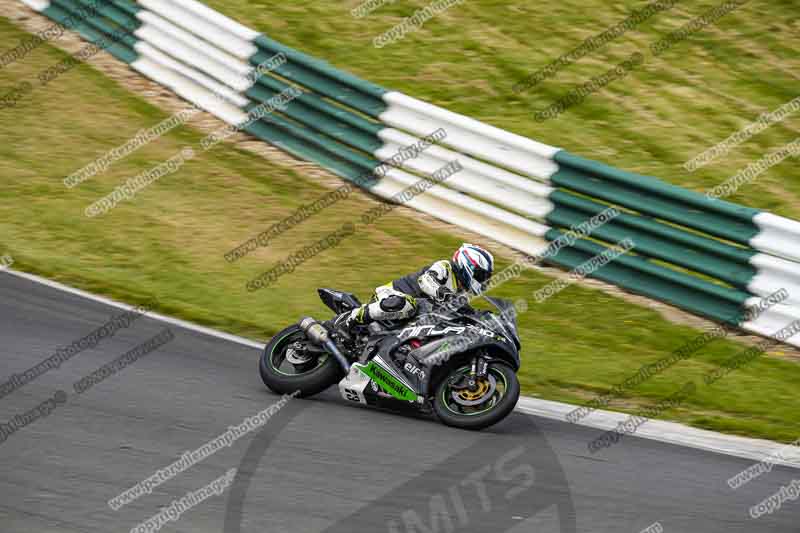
[345, 78]
[658, 240]
[128, 6]
[656, 198]
[321, 122]
[324, 84]
[119, 50]
[638, 275]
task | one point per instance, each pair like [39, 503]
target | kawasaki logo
[388, 382]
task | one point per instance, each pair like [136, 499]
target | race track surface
[318, 465]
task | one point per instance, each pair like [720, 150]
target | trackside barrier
[708, 256]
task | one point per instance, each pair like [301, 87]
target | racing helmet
[473, 267]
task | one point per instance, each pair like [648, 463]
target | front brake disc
[471, 399]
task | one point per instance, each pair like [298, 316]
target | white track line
[658, 430]
[162, 318]
[669, 432]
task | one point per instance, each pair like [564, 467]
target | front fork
[479, 370]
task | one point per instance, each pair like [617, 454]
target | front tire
[474, 410]
[307, 378]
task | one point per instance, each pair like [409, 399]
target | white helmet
[473, 267]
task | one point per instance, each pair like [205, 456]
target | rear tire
[498, 406]
[308, 383]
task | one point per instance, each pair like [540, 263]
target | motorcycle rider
[468, 271]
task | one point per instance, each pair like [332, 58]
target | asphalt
[317, 465]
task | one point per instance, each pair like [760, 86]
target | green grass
[169, 243]
[655, 119]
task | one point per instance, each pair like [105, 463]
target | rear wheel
[491, 401]
[290, 364]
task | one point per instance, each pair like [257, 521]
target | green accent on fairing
[321, 122]
[128, 6]
[641, 276]
[332, 88]
[654, 197]
[386, 381]
[316, 102]
[310, 136]
[660, 241]
[117, 49]
[280, 138]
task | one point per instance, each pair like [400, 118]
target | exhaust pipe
[317, 334]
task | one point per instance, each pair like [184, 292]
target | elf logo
[415, 371]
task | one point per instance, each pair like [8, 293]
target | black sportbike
[459, 363]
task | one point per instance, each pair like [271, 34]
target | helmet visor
[481, 275]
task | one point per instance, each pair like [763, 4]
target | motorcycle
[460, 364]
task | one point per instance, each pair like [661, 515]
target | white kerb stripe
[242, 68]
[778, 236]
[190, 56]
[491, 172]
[458, 216]
[190, 90]
[226, 23]
[38, 5]
[241, 48]
[223, 91]
[464, 136]
[772, 320]
[471, 204]
[470, 124]
[475, 184]
[773, 274]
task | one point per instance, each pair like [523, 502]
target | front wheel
[493, 399]
[291, 364]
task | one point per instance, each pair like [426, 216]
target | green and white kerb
[512, 189]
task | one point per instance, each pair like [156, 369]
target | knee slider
[393, 303]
